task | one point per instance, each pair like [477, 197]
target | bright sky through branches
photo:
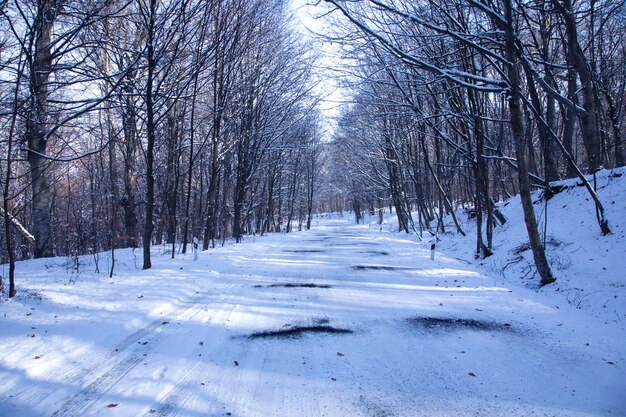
[310, 25]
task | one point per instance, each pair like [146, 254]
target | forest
[130, 123]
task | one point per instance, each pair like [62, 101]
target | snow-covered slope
[590, 268]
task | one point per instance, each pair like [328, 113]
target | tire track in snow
[76, 373]
[150, 334]
[171, 403]
[176, 397]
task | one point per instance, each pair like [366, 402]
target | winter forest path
[341, 320]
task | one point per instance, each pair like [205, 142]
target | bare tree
[487, 68]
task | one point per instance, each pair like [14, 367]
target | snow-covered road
[342, 320]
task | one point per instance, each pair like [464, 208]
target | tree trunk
[114, 192]
[192, 131]
[240, 194]
[549, 151]
[150, 138]
[172, 174]
[212, 198]
[517, 126]
[569, 122]
[130, 174]
[312, 172]
[37, 129]
[482, 191]
[8, 219]
[550, 172]
[443, 195]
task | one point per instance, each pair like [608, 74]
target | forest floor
[341, 320]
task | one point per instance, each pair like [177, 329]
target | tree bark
[150, 138]
[517, 126]
[37, 129]
[218, 110]
[312, 173]
[129, 148]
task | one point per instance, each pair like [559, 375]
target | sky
[308, 22]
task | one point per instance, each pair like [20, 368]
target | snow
[449, 337]
[590, 268]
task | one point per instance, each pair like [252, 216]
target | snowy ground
[590, 268]
[370, 326]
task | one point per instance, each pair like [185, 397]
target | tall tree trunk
[192, 134]
[549, 151]
[129, 149]
[312, 171]
[241, 185]
[517, 126]
[212, 198]
[150, 138]
[172, 174]
[37, 129]
[270, 221]
[482, 190]
[226, 216]
[114, 192]
[8, 219]
[291, 198]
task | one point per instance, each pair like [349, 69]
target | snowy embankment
[342, 320]
[590, 268]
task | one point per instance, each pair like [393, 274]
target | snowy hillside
[590, 268]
